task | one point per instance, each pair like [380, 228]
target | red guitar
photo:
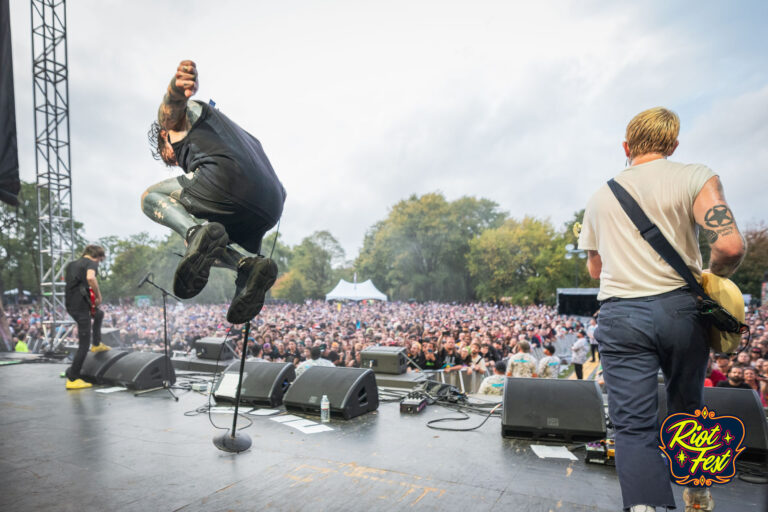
[92, 301]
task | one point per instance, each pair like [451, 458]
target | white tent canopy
[355, 291]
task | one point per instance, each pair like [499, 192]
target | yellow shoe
[100, 348]
[78, 384]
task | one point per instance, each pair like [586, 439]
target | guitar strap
[654, 236]
[719, 316]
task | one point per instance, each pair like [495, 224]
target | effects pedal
[601, 452]
[413, 403]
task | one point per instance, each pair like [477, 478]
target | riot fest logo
[701, 447]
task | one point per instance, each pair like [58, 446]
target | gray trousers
[636, 338]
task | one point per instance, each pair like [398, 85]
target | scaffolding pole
[56, 234]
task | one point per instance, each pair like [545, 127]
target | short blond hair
[653, 131]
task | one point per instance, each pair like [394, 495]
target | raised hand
[186, 78]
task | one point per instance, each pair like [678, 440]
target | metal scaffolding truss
[56, 235]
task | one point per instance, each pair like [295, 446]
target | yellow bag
[724, 336]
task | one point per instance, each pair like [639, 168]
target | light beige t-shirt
[631, 267]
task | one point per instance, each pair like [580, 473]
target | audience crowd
[449, 337]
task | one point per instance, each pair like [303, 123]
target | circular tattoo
[718, 216]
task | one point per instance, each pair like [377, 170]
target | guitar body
[92, 301]
[728, 295]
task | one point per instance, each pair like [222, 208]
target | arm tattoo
[719, 220]
[709, 234]
[171, 114]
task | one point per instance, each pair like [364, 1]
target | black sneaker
[205, 243]
[254, 277]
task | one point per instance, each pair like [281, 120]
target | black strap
[654, 236]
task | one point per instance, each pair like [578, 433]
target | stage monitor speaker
[111, 337]
[214, 348]
[741, 403]
[141, 370]
[384, 359]
[559, 409]
[264, 383]
[96, 365]
[351, 391]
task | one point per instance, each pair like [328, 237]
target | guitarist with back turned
[83, 298]
[649, 317]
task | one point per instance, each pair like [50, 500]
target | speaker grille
[563, 410]
[351, 391]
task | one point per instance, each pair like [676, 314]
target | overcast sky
[360, 104]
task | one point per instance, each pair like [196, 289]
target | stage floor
[83, 451]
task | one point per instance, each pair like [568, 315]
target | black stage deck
[83, 451]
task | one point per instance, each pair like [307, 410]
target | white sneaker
[697, 499]
[642, 508]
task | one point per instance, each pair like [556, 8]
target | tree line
[426, 249]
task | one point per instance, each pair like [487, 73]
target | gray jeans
[637, 337]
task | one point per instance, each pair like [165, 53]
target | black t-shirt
[419, 360]
[433, 365]
[726, 384]
[450, 359]
[230, 163]
[76, 296]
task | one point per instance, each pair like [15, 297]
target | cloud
[359, 105]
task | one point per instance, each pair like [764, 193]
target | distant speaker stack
[96, 365]
[351, 391]
[741, 403]
[555, 409]
[140, 370]
[213, 348]
[264, 383]
[384, 359]
[111, 337]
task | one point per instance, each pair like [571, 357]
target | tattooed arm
[173, 114]
[716, 221]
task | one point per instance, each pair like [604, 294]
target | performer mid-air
[229, 182]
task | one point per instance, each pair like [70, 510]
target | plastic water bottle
[325, 410]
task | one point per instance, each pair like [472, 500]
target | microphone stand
[167, 384]
[234, 441]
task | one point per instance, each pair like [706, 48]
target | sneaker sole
[193, 270]
[249, 303]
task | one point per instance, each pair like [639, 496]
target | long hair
[157, 142]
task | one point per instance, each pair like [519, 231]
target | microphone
[144, 280]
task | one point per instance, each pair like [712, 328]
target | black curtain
[9, 155]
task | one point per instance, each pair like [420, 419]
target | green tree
[18, 243]
[521, 260]
[289, 286]
[750, 274]
[19, 250]
[282, 253]
[419, 250]
[313, 260]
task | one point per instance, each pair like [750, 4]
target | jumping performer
[229, 183]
